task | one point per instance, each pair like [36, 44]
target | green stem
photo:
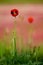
[14, 46]
[30, 34]
[36, 57]
[14, 41]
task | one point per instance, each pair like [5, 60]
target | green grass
[11, 56]
[20, 1]
[31, 56]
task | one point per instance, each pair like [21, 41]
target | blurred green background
[21, 1]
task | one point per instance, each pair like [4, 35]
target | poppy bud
[30, 19]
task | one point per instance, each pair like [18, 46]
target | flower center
[14, 13]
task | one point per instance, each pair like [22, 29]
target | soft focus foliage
[20, 1]
[27, 57]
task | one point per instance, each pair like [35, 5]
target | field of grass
[13, 52]
[10, 55]
[32, 56]
[21, 1]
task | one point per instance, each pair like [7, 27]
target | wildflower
[30, 19]
[14, 12]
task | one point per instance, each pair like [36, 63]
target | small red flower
[14, 12]
[30, 19]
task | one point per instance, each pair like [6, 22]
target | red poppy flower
[30, 19]
[14, 12]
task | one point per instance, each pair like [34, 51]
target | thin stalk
[15, 47]
[36, 56]
[14, 41]
[30, 35]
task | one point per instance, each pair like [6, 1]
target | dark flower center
[12, 12]
[16, 12]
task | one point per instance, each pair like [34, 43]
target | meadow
[21, 42]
